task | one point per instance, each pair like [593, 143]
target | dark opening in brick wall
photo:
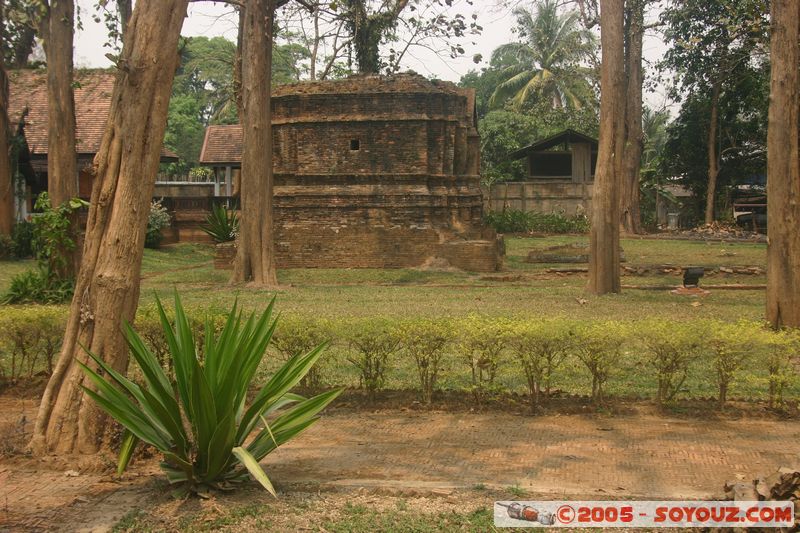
[355, 145]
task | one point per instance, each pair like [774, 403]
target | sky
[212, 19]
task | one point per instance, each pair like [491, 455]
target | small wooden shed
[560, 177]
[568, 156]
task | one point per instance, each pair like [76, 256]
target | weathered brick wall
[378, 172]
[383, 147]
[390, 222]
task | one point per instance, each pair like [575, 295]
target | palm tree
[654, 128]
[548, 64]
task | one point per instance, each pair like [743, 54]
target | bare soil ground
[411, 460]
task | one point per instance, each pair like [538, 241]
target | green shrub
[22, 235]
[148, 325]
[372, 343]
[425, 340]
[481, 344]
[300, 335]
[779, 349]
[599, 347]
[221, 225]
[203, 425]
[157, 220]
[540, 347]
[38, 287]
[6, 247]
[730, 346]
[515, 221]
[30, 338]
[670, 347]
[53, 235]
[54, 242]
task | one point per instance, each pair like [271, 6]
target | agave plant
[221, 225]
[209, 436]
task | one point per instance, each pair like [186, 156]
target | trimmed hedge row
[485, 355]
[515, 221]
[30, 338]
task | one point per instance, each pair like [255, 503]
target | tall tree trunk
[6, 178]
[255, 260]
[634, 140]
[713, 154]
[604, 261]
[107, 288]
[62, 161]
[783, 169]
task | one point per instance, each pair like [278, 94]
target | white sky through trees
[212, 19]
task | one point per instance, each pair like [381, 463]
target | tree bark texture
[255, 260]
[6, 177]
[62, 165]
[713, 153]
[634, 139]
[237, 66]
[125, 10]
[107, 287]
[604, 260]
[62, 159]
[783, 169]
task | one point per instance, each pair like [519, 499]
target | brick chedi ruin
[372, 172]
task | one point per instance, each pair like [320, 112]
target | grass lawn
[332, 293]
[323, 513]
[369, 292]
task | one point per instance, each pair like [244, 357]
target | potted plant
[222, 226]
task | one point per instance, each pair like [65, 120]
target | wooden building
[28, 116]
[560, 172]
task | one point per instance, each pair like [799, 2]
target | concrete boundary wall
[542, 197]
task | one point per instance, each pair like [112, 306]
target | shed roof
[567, 136]
[93, 92]
[222, 145]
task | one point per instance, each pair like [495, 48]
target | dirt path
[417, 453]
[639, 456]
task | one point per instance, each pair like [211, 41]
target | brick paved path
[639, 456]
[642, 456]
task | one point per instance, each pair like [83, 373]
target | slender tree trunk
[6, 178]
[23, 47]
[255, 260]
[237, 66]
[368, 29]
[783, 169]
[604, 269]
[315, 47]
[107, 287]
[62, 161]
[713, 155]
[634, 140]
[124, 15]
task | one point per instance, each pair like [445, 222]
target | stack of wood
[718, 230]
[783, 485]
